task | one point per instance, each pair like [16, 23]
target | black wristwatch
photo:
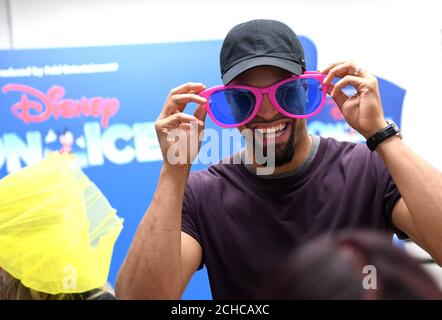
[383, 134]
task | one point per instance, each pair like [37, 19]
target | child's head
[57, 231]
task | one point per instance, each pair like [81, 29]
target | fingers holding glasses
[363, 110]
[172, 118]
[200, 113]
[180, 96]
[338, 95]
[179, 101]
[176, 119]
[342, 69]
[350, 74]
[194, 87]
[361, 85]
[331, 65]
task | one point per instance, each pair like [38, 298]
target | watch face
[394, 125]
[395, 128]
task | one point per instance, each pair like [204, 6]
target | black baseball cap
[260, 42]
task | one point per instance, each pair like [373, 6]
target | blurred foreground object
[352, 265]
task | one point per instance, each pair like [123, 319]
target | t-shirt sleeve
[189, 222]
[391, 196]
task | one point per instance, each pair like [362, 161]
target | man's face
[269, 119]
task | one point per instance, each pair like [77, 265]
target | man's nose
[267, 110]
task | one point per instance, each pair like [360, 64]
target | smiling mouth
[270, 131]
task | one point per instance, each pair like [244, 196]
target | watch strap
[390, 130]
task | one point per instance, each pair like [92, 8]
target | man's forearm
[420, 185]
[152, 269]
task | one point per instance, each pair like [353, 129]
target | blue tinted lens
[300, 96]
[232, 106]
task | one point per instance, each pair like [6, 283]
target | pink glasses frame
[271, 90]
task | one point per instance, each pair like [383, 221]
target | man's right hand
[162, 258]
[172, 121]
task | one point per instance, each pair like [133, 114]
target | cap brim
[245, 65]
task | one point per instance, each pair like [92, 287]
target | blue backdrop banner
[101, 104]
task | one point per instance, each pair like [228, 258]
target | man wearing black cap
[242, 225]
[260, 43]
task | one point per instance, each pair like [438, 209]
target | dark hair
[332, 267]
[13, 289]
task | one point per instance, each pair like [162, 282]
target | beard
[283, 153]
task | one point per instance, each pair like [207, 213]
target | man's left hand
[363, 110]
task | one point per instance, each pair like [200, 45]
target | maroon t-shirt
[247, 224]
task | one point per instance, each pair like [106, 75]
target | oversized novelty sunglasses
[296, 97]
